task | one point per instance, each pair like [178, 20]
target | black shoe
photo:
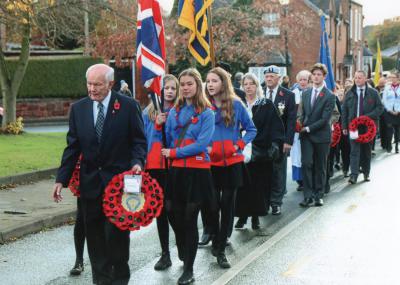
[327, 189]
[307, 202]
[240, 223]
[337, 166]
[186, 277]
[77, 269]
[319, 202]
[223, 261]
[205, 239]
[396, 149]
[255, 223]
[345, 174]
[366, 178]
[164, 262]
[353, 179]
[214, 251]
[300, 188]
[276, 210]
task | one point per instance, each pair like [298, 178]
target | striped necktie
[99, 121]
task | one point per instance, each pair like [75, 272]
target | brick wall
[43, 109]
[304, 55]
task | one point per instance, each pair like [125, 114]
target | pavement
[30, 208]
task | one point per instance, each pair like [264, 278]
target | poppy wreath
[363, 121]
[127, 220]
[336, 134]
[298, 127]
[74, 181]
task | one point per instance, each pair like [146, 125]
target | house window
[271, 24]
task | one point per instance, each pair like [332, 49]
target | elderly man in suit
[107, 129]
[361, 100]
[285, 103]
[315, 135]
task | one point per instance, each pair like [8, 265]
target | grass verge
[29, 152]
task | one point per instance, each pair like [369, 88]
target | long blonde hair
[151, 111]
[200, 101]
[227, 95]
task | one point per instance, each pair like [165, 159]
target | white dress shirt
[105, 102]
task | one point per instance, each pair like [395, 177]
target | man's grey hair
[109, 76]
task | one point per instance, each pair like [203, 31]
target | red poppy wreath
[363, 121]
[74, 181]
[336, 134]
[128, 220]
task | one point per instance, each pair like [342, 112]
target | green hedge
[54, 77]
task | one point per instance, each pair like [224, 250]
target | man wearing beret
[284, 101]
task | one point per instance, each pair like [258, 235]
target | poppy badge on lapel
[195, 119]
[117, 105]
[281, 93]
[321, 94]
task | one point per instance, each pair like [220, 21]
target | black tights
[79, 233]
[163, 230]
[226, 201]
[184, 224]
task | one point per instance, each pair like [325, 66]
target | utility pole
[86, 27]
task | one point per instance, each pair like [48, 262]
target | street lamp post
[285, 4]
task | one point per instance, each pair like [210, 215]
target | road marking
[281, 234]
[295, 267]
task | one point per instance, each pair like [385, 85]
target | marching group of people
[216, 149]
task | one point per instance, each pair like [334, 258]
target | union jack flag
[150, 44]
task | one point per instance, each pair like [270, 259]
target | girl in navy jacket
[225, 151]
[155, 162]
[189, 128]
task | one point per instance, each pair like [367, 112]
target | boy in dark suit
[315, 136]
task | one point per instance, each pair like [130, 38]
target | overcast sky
[375, 11]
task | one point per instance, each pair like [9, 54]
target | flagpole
[211, 36]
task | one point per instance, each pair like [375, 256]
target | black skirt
[228, 177]
[253, 198]
[160, 175]
[189, 186]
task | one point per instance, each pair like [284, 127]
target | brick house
[344, 27]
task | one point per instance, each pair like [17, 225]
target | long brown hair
[200, 101]
[227, 95]
[151, 111]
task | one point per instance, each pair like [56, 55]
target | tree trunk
[10, 85]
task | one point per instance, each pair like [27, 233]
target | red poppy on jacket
[281, 93]
[117, 105]
[321, 94]
[195, 120]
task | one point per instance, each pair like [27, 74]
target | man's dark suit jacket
[372, 105]
[288, 117]
[122, 145]
[318, 117]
